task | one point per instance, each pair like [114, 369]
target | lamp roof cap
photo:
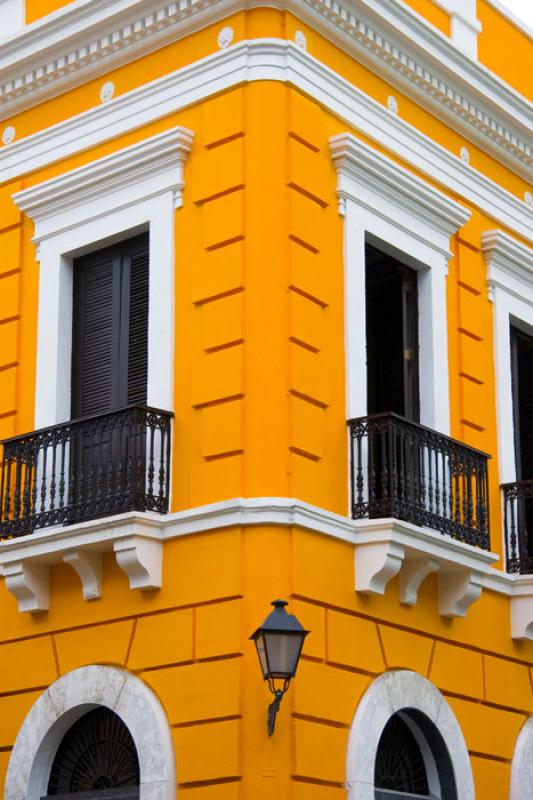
[279, 621]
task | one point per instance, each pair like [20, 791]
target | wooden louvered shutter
[110, 328]
[95, 341]
[138, 326]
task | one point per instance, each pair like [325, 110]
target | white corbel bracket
[29, 583]
[414, 571]
[142, 560]
[458, 590]
[385, 548]
[88, 565]
[377, 563]
[136, 540]
[522, 608]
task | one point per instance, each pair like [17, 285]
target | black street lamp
[279, 643]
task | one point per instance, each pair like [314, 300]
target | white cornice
[510, 265]
[266, 60]
[395, 184]
[90, 37]
[160, 156]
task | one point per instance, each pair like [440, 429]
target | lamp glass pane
[283, 651]
[260, 644]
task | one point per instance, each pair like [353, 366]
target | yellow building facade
[280, 164]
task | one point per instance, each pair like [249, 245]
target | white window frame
[110, 199]
[385, 204]
[392, 693]
[510, 286]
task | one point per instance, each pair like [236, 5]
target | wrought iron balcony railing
[518, 526]
[85, 469]
[409, 472]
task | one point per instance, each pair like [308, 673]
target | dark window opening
[109, 372]
[522, 379]
[412, 760]
[399, 762]
[391, 336]
[522, 384]
[96, 759]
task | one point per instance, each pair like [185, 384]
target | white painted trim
[12, 14]
[236, 512]
[510, 286]
[390, 693]
[83, 193]
[522, 764]
[382, 200]
[266, 60]
[522, 608]
[389, 36]
[133, 189]
[400, 187]
[464, 24]
[24, 561]
[67, 700]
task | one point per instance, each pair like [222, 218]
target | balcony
[518, 526]
[409, 472]
[420, 505]
[84, 470]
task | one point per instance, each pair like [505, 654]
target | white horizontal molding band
[51, 543]
[276, 60]
[79, 42]
[383, 549]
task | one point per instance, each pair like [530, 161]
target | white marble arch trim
[64, 702]
[384, 202]
[522, 764]
[388, 694]
[510, 287]
[137, 188]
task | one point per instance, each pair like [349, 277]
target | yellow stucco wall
[37, 9]
[504, 49]
[259, 249]
[433, 13]
[189, 643]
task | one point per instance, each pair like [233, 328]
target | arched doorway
[97, 755]
[412, 760]
[405, 744]
[97, 733]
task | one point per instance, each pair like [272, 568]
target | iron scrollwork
[85, 469]
[518, 526]
[403, 470]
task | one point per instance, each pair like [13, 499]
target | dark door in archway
[96, 760]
